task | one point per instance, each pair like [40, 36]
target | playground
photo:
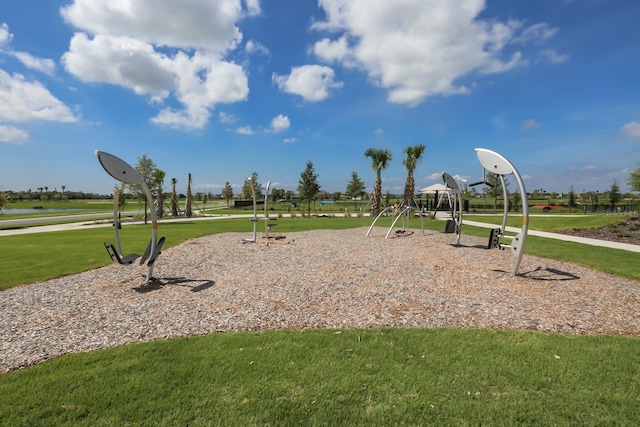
[312, 279]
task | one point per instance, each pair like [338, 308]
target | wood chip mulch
[311, 279]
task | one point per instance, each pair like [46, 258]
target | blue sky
[221, 89]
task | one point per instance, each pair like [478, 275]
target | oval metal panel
[119, 169]
[449, 181]
[494, 162]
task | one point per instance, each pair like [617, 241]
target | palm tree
[412, 156]
[158, 177]
[379, 161]
[187, 209]
[174, 198]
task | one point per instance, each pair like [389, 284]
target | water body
[39, 210]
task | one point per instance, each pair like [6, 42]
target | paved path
[565, 237]
[93, 224]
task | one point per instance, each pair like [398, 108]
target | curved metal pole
[505, 196]
[154, 230]
[123, 172]
[255, 213]
[377, 218]
[116, 219]
[499, 165]
[456, 213]
[405, 211]
[521, 239]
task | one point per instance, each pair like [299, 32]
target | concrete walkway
[93, 224]
[565, 237]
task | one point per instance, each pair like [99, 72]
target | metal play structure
[255, 219]
[454, 196]
[500, 166]
[124, 173]
[255, 213]
[401, 213]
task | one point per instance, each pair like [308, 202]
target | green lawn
[376, 377]
[32, 257]
[319, 377]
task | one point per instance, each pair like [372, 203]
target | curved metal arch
[125, 173]
[499, 165]
[456, 212]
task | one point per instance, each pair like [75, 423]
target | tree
[227, 193]
[150, 174]
[412, 156]
[246, 187]
[308, 185]
[277, 194]
[174, 198]
[634, 180]
[494, 187]
[3, 199]
[572, 199]
[355, 187]
[187, 208]
[515, 200]
[158, 177]
[379, 161]
[614, 195]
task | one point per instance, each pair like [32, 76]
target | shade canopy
[433, 188]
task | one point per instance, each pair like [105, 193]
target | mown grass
[555, 222]
[32, 257]
[318, 377]
[28, 258]
[375, 377]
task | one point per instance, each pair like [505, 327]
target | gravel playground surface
[311, 279]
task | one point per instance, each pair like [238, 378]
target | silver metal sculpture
[123, 172]
[456, 205]
[500, 166]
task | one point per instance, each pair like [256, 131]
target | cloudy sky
[221, 89]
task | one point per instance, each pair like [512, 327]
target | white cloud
[312, 82]
[529, 124]
[253, 7]
[43, 65]
[421, 48]
[500, 121]
[537, 32]
[290, 140]
[280, 124]
[120, 61]
[553, 56]
[331, 51]
[379, 131]
[13, 135]
[245, 130]
[226, 118]
[203, 24]
[22, 101]
[5, 35]
[121, 43]
[253, 46]
[631, 130]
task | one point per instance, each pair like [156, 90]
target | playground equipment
[401, 212]
[500, 166]
[454, 225]
[255, 213]
[255, 219]
[124, 173]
